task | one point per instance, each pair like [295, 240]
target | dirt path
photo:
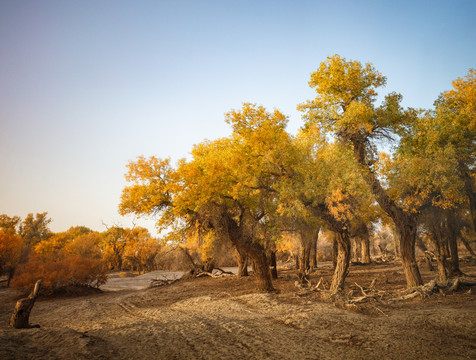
[225, 319]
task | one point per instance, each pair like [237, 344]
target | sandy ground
[224, 318]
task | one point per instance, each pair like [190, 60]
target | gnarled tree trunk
[256, 253]
[263, 276]
[240, 233]
[407, 234]
[21, 316]
[341, 241]
[342, 263]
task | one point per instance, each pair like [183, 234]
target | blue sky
[86, 86]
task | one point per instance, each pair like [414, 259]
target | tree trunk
[405, 224]
[469, 190]
[195, 267]
[335, 250]
[21, 316]
[365, 245]
[355, 249]
[445, 248]
[420, 244]
[428, 262]
[305, 257]
[441, 262]
[307, 239]
[242, 264]
[342, 263]
[407, 234]
[467, 246]
[208, 266]
[257, 255]
[263, 277]
[296, 261]
[314, 250]
[440, 255]
[255, 252]
[396, 242]
[453, 245]
[11, 272]
[273, 265]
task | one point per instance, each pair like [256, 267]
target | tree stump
[21, 315]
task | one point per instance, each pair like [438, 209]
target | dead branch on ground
[162, 281]
[216, 273]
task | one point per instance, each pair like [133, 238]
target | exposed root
[308, 289]
[433, 287]
[371, 295]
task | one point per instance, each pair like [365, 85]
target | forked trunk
[246, 245]
[342, 263]
[257, 255]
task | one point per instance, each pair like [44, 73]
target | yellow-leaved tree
[344, 107]
[228, 187]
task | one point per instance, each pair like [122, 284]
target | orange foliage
[60, 274]
[10, 249]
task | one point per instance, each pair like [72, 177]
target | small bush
[60, 275]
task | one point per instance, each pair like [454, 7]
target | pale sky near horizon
[86, 86]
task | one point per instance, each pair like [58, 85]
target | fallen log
[21, 315]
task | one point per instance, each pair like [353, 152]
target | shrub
[60, 275]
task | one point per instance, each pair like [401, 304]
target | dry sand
[225, 318]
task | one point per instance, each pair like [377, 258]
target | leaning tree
[344, 107]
